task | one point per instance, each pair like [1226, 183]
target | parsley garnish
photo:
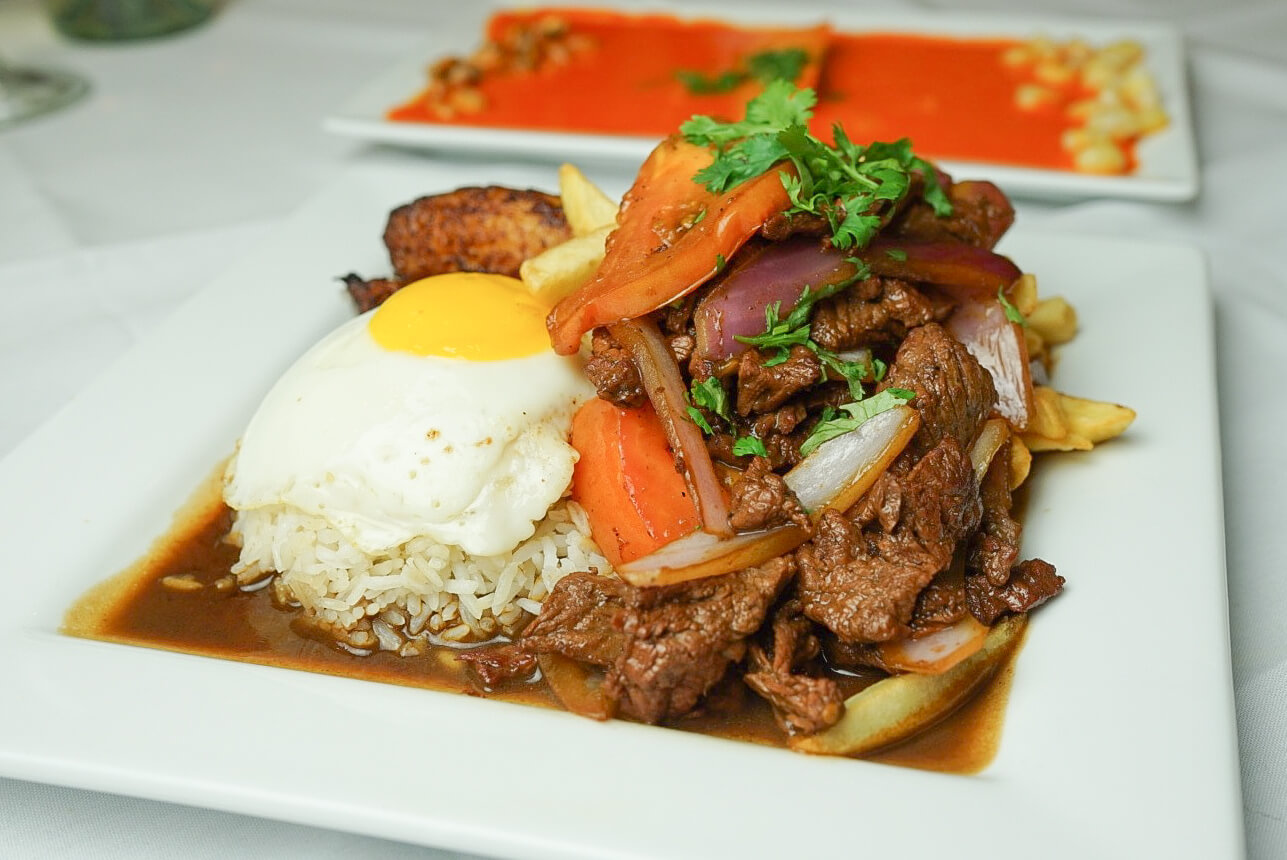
[750, 445]
[782, 334]
[720, 263]
[897, 254]
[698, 219]
[829, 427]
[765, 67]
[710, 395]
[1011, 312]
[856, 188]
[700, 420]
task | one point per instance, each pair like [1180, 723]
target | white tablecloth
[191, 148]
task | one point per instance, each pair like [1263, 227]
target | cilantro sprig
[750, 445]
[1012, 313]
[830, 426]
[709, 394]
[855, 188]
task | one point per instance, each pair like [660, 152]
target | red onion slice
[833, 476]
[999, 346]
[759, 278]
[665, 387]
[964, 270]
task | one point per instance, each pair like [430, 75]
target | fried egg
[443, 412]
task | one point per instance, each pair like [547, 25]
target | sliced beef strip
[491, 229]
[612, 371]
[784, 225]
[664, 647]
[954, 394]
[370, 294]
[981, 214]
[863, 584]
[681, 639]
[941, 604]
[493, 665]
[579, 619]
[876, 312]
[994, 549]
[761, 500]
[682, 346]
[763, 387]
[802, 703]
[851, 656]
[1031, 583]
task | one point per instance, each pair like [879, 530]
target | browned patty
[491, 229]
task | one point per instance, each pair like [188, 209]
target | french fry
[562, 269]
[587, 208]
[1054, 319]
[1061, 422]
[1023, 293]
[1020, 462]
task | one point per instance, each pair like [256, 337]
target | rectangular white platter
[1119, 737]
[1167, 170]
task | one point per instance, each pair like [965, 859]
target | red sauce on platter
[953, 97]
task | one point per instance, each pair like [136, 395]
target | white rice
[421, 590]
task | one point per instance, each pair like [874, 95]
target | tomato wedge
[671, 238]
[627, 482]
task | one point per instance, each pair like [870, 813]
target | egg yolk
[467, 315]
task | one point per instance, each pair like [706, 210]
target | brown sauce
[134, 608]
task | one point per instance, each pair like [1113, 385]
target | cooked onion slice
[935, 653]
[574, 687]
[665, 388]
[833, 476]
[999, 346]
[896, 708]
[994, 434]
[962, 269]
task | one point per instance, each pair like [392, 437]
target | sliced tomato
[627, 482]
[672, 236]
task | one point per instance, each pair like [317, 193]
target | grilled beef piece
[493, 665]
[579, 620]
[784, 225]
[761, 500]
[762, 387]
[851, 656]
[995, 547]
[781, 431]
[676, 316]
[681, 639]
[682, 346]
[954, 394]
[663, 648]
[863, 584]
[875, 312]
[941, 604]
[613, 371]
[490, 229]
[370, 294]
[981, 214]
[1031, 583]
[801, 703]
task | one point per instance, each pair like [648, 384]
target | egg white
[387, 446]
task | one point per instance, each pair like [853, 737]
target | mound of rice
[420, 592]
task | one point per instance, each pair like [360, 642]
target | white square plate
[1119, 738]
[1167, 171]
